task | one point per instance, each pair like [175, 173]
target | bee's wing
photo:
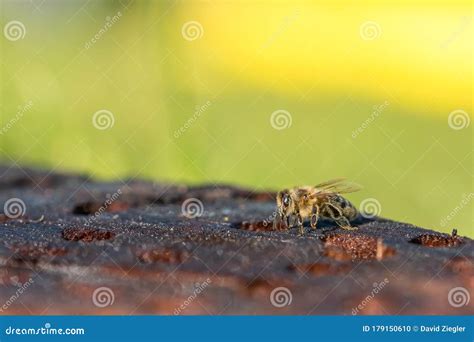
[330, 183]
[338, 185]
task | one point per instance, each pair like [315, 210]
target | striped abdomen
[347, 208]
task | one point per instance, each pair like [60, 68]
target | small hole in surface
[91, 208]
[256, 226]
[343, 247]
[86, 234]
[438, 240]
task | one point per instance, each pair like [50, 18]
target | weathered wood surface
[142, 252]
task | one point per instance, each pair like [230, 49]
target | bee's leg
[299, 221]
[344, 223]
[295, 219]
[314, 216]
[280, 222]
[277, 221]
[289, 221]
[339, 218]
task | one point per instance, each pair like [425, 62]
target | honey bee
[323, 200]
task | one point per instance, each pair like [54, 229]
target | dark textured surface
[153, 258]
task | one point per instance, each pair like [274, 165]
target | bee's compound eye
[286, 200]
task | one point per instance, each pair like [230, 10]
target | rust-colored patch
[258, 226]
[343, 247]
[438, 240]
[32, 254]
[461, 265]
[86, 235]
[4, 218]
[15, 275]
[91, 208]
[263, 196]
[320, 269]
[117, 207]
[165, 255]
[258, 287]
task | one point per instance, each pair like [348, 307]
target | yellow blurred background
[266, 94]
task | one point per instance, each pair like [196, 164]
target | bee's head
[285, 202]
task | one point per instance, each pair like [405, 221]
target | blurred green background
[375, 92]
